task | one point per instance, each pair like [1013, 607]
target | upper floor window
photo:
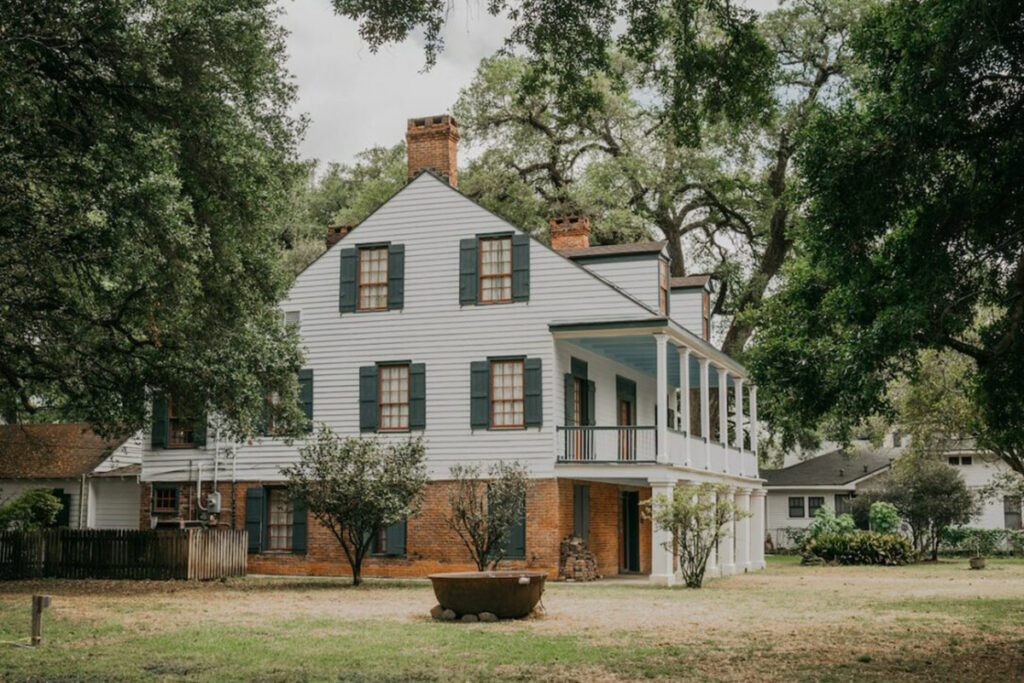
[394, 397]
[961, 460]
[292, 319]
[663, 286]
[507, 396]
[496, 269]
[181, 432]
[373, 278]
[279, 520]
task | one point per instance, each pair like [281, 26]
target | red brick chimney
[335, 233]
[432, 143]
[570, 232]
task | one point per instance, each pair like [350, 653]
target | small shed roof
[51, 451]
[687, 281]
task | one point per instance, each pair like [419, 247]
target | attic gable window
[496, 269]
[373, 278]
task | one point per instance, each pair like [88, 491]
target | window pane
[496, 269]
[394, 397]
[279, 520]
[373, 278]
[507, 393]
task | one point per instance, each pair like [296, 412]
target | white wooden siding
[429, 218]
[687, 309]
[114, 503]
[128, 453]
[636, 275]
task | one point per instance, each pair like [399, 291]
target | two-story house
[435, 318]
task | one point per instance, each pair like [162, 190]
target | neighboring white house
[436, 318]
[96, 479]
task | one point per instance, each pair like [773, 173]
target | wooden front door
[627, 437]
[629, 536]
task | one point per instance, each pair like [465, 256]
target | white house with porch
[434, 318]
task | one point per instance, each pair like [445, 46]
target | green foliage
[483, 510]
[978, 542]
[696, 517]
[356, 486]
[864, 547]
[826, 523]
[147, 149]
[33, 508]
[912, 236]
[883, 518]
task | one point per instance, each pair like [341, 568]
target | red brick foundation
[431, 546]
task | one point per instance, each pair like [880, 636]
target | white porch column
[661, 346]
[723, 406]
[684, 400]
[757, 504]
[705, 410]
[739, 414]
[662, 567]
[743, 532]
[753, 418]
[726, 563]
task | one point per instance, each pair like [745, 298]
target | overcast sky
[355, 99]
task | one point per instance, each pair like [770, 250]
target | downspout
[81, 502]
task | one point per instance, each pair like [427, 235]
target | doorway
[629, 548]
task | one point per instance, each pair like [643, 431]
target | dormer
[691, 303]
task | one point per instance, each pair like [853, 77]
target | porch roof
[631, 342]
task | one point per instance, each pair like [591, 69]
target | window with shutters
[393, 397]
[373, 278]
[389, 540]
[165, 499]
[507, 395]
[279, 520]
[796, 506]
[496, 269]
[181, 426]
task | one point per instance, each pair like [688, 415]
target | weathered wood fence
[194, 554]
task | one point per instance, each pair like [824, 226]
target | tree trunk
[675, 250]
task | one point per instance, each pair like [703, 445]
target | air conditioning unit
[213, 503]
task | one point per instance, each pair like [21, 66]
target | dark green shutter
[199, 431]
[368, 398]
[417, 396]
[625, 390]
[533, 393]
[468, 271]
[299, 526]
[591, 402]
[480, 394]
[581, 511]
[306, 393]
[395, 539]
[347, 294]
[578, 367]
[64, 515]
[396, 276]
[570, 402]
[515, 549]
[159, 433]
[520, 267]
[254, 517]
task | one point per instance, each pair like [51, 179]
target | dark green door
[629, 504]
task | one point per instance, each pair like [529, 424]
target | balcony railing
[607, 444]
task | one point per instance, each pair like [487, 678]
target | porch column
[705, 410]
[662, 567]
[743, 531]
[684, 400]
[661, 346]
[753, 419]
[725, 548]
[739, 414]
[723, 406]
[712, 567]
[757, 503]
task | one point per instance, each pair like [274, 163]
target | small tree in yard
[32, 509]
[354, 487]
[696, 519]
[484, 511]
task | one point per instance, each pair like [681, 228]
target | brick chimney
[335, 233]
[432, 143]
[570, 232]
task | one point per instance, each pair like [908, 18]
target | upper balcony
[635, 373]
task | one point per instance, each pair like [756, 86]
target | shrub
[866, 547]
[33, 508]
[826, 523]
[884, 518]
[976, 541]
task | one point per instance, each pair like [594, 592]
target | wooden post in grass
[39, 603]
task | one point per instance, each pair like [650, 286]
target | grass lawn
[925, 622]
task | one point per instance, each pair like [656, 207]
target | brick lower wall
[431, 546]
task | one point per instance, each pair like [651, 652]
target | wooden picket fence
[190, 554]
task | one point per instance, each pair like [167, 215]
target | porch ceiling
[639, 352]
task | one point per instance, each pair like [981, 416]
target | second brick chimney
[335, 233]
[432, 143]
[570, 232]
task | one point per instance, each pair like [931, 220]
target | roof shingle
[836, 468]
[614, 249]
[51, 451]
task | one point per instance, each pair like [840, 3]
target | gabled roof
[614, 250]
[689, 281]
[837, 468]
[51, 451]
